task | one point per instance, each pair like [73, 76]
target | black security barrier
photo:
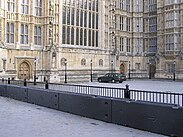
[3, 91]
[17, 92]
[87, 106]
[43, 97]
[160, 118]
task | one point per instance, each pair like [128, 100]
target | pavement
[19, 119]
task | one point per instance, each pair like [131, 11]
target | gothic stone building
[48, 38]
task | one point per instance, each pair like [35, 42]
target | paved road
[150, 85]
[19, 119]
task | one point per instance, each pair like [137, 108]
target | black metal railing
[160, 97]
[22, 83]
[91, 90]
[150, 96]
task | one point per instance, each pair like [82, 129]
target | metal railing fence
[111, 92]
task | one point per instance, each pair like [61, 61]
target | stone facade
[169, 39]
[24, 27]
[51, 38]
[130, 37]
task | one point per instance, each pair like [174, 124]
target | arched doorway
[122, 68]
[24, 71]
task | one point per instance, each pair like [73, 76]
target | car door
[110, 77]
[106, 78]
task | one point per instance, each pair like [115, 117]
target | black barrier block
[170, 121]
[3, 91]
[16, 92]
[87, 106]
[153, 117]
[43, 97]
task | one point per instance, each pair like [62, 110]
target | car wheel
[120, 81]
[99, 80]
[113, 81]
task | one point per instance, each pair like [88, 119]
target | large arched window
[83, 16]
[72, 36]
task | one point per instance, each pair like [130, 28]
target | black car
[112, 77]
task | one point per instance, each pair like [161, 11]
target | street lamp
[65, 63]
[150, 70]
[91, 71]
[112, 66]
[34, 71]
[129, 71]
[174, 71]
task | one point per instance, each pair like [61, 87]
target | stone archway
[24, 71]
[122, 69]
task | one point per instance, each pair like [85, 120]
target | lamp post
[65, 71]
[150, 70]
[174, 71]
[112, 66]
[34, 71]
[91, 71]
[129, 71]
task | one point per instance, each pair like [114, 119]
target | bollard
[46, 84]
[8, 80]
[44, 79]
[127, 92]
[3, 80]
[25, 83]
[34, 81]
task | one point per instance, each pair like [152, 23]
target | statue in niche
[54, 60]
[51, 7]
